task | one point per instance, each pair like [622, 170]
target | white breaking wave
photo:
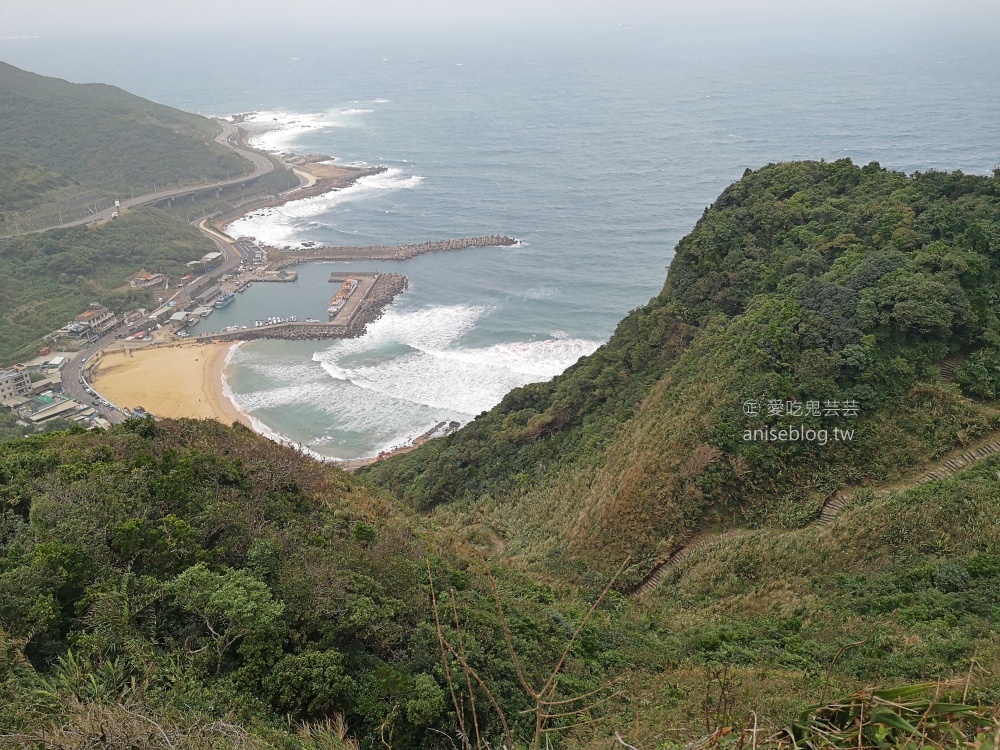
[436, 373]
[281, 225]
[278, 130]
[407, 373]
[428, 328]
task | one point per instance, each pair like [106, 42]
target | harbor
[369, 295]
[361, 297]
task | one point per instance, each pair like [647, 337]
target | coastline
[219, 388]
[317, 179]
[213, 400]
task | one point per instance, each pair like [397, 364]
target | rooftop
[91, 314]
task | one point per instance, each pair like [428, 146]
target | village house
[14, 382]
[97, 319]
[146, 280]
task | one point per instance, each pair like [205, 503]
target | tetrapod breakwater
[283, 257]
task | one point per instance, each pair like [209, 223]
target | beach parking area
[183, 380]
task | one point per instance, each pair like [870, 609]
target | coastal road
[231, 254]
[72, 376]
[261, 165]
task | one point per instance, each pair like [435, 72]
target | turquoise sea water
[598, 149]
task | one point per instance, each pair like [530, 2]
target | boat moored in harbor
[341, 297]
[224, 301]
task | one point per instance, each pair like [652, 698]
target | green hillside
[185, 584]
[49, 278]
[804, 282]
[207, 577]
[23, 185]
[107, 139]
[66, 151]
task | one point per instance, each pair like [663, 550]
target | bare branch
[547, 730]
[583, 710]
[506, 634]
[444, 659]
[583, 623]
[465, 662]
[623, 743]
[602, 688]
[489, 694]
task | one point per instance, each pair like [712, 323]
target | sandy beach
[169, 381]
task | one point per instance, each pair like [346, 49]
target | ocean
[598, 149]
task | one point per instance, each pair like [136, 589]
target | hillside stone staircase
[660, 570]
[828, 512]
[948, 366]
[949, 467]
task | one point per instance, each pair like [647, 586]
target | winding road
[262, 165]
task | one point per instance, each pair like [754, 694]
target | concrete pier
[366, 305]
[284, 258]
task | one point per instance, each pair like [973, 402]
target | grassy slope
[803, 281]
[911, 579]
[48, 279]
[100, 531]
[106, 138]
[22, 185]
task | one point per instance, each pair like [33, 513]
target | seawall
[284, 258]
[383, 291]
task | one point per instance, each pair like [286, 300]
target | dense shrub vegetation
[199, 576]
[199, 586]
[804, 282]
[189, 570]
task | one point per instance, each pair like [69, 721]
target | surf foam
[279, 226]
[278, 130]
[433, 371]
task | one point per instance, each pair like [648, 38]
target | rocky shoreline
[382, 293]
[323, 185]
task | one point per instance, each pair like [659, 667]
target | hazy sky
[39, 17]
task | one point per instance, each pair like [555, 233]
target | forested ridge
[807, 282]
[105, 138]
[195, 585]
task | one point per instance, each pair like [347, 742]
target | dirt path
[944, 468]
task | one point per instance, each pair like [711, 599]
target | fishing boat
[224, 301]
[341, 297]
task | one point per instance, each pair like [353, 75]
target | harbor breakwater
[283, 258]
[383, 291]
